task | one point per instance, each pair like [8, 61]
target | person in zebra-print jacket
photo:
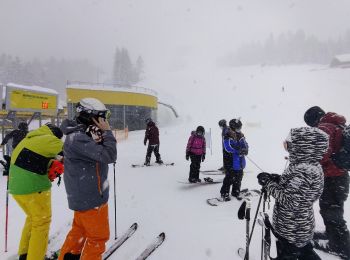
[295, 192]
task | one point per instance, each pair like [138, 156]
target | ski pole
[247, 217]
[254, 163]
[7, 213]
[115, 204]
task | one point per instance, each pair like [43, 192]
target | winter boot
[192, 180]
[225, 197]
[23, 257]
[69, 256]
[198, 180]
[159, 161]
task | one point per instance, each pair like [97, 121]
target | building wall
[128, 109]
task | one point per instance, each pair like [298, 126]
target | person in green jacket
[30, 186]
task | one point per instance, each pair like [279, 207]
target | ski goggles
[106, 114]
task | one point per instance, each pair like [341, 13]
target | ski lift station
[129, 106]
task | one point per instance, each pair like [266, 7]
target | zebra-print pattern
[300, 186]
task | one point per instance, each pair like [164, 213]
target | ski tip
[162, 235]
[135, 225]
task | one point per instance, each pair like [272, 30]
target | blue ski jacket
[237, 146]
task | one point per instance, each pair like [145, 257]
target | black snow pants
[288, 251]
[195, 166]
[234, 178]
[335, 193]
[150, 149]
[227, 160]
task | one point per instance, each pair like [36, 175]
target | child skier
[236, 145]
[196, 151]
[152, 135]
[296, 191]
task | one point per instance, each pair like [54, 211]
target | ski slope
[153, 197]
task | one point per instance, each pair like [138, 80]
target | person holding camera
[295, 192]
[88, 149]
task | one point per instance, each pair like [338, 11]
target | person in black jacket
[152, 135]
[16, 135]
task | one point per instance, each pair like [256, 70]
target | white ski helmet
[88, 108]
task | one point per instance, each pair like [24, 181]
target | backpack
[342, 158]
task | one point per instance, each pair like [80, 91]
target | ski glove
[145, 142]
[203, 157]
[264, 178]
[55, 170]
[187, 156]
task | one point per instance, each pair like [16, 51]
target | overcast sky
[159, 30]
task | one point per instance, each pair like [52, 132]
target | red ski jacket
[331, 123]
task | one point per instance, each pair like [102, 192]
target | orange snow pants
[88, 235]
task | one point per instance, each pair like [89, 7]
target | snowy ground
[155, 199]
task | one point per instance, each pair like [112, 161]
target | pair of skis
[266, 240]
[120, 241]
[146, 253]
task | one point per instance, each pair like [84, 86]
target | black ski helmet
[222, 123]
[313, 115]
[200, 129]
[235, 124]
[88, 108]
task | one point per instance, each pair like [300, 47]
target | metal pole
[115, 205]
[247, 217]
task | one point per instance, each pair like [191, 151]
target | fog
[163, 32]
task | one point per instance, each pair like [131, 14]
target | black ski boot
[159, 161]
[192, 180]
[225, 197]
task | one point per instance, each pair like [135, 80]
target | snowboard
[155, 164]
[245, 193]
[203, 182]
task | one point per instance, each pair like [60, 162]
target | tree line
[288, 48]
[53, 73]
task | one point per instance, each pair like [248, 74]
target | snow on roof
[33, 88]
[111, 87]
[343, 57]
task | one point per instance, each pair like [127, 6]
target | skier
[30, 186]
[236, 145]
[295, 192]
[88, 149]
[152, 135]
[16, 135]
[195, 150]
[227, 158]
[336, 185]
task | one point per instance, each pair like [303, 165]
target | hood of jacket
[43, 130]
[333, 118]
[307, 145]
